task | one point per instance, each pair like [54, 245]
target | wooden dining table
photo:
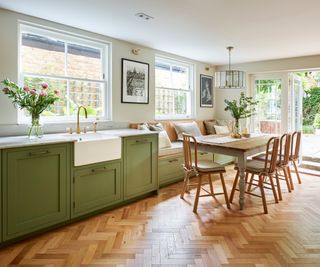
[239, 148]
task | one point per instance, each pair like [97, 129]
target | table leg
[242, 168]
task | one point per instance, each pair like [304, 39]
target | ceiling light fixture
[144, 16]
[230, 78]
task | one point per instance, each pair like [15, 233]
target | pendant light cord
[229, 49]
[229, 59]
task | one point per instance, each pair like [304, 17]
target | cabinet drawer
[170, 169]
[205, 156]
[96, 187]
[223, 159]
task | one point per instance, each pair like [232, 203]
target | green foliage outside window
[316, 123]
[311, 105]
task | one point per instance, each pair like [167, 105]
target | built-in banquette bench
[171, 158]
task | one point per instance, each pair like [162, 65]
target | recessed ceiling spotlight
[143, 16]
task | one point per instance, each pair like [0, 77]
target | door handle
[102, 169]
[142, 141]
[40, 153]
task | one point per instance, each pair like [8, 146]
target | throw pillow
[210, 126]
[221, 129]
[188, 128]
[228, 123]
[156, 127]
[144, 126]
[164, 140]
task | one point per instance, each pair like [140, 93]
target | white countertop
[21, 141]
[127, 132]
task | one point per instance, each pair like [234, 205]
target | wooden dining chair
[200, 168]
[265, 171]
[295, 153]
[282, 163]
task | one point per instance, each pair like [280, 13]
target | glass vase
[236, 128]
[35, 128]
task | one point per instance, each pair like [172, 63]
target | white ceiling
[197, 29]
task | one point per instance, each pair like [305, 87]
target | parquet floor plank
[163, 231]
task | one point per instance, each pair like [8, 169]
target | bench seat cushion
[176, 148]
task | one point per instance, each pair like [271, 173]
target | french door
[271, 115]
[295, 102]
[280, 98]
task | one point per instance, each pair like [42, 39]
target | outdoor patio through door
[267, 91]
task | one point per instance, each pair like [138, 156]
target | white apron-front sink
[94, 147]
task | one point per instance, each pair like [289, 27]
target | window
[74, 66]
[174, 89]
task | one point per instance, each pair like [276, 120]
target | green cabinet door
[36, 186]
[0, 199]
[140, 163]
[95, 187]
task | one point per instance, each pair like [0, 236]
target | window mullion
[65, 58]
[61, 77]
[68, 80]
[68, 98]
[174, 89]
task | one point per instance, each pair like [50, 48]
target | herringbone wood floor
[163, 231]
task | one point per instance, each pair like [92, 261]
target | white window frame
[191, 68]
[105, 48]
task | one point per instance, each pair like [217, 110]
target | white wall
[220, 96]
[120, 49]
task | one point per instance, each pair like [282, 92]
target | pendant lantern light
[230, 78]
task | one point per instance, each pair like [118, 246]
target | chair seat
[262, 157]
[255, 166]
[209, 166]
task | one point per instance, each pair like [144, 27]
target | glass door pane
[296, 100]
[268, 115]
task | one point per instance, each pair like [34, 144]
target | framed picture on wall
[135, 82]
[206, 91]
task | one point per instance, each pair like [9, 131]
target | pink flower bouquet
[35, 101]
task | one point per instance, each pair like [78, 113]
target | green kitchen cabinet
[0, 198]
[223, 159]
[95, 187]
[205, 155]
[171, 169]
[36, 188]
[140, 165]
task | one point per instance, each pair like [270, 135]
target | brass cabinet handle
[102, 169]
[204, 153]
[41, 153]
[173, 160]
[142, 141]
